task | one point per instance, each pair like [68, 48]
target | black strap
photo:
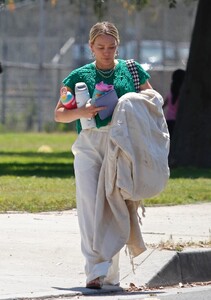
[132, 68]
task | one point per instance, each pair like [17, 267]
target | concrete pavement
[40, 253]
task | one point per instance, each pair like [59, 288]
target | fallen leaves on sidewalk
[179, 246]
[134, 288]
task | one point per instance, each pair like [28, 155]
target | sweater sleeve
[71, 80]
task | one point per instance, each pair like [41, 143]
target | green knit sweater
[121, 79]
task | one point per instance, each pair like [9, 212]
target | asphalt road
[192, 293]
[200, 295]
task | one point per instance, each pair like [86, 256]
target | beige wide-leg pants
[89, 149]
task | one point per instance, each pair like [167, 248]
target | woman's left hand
[90, 111]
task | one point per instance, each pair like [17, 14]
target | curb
[184, 267]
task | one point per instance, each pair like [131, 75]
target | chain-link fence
[29, 94]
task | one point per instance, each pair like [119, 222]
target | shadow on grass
[190, 173]
[65, 154]
[43, 168]
[37, 169]
[60, 164]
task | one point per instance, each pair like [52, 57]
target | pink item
[101, 89]
[171, 110]
[67, 98]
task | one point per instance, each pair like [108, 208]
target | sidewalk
[40, 253]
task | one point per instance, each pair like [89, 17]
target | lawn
[36, 174]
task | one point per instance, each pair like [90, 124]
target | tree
[191, 144]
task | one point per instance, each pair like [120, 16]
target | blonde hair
[103, 28]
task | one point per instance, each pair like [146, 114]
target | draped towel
[135, 167]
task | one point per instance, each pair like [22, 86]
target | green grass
[36, 181]
[33, 181]
[184, 190]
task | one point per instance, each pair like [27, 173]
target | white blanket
[135, 167]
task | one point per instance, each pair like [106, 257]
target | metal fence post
[41, 60]
[4, 74]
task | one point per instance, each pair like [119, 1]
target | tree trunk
[191, 143]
